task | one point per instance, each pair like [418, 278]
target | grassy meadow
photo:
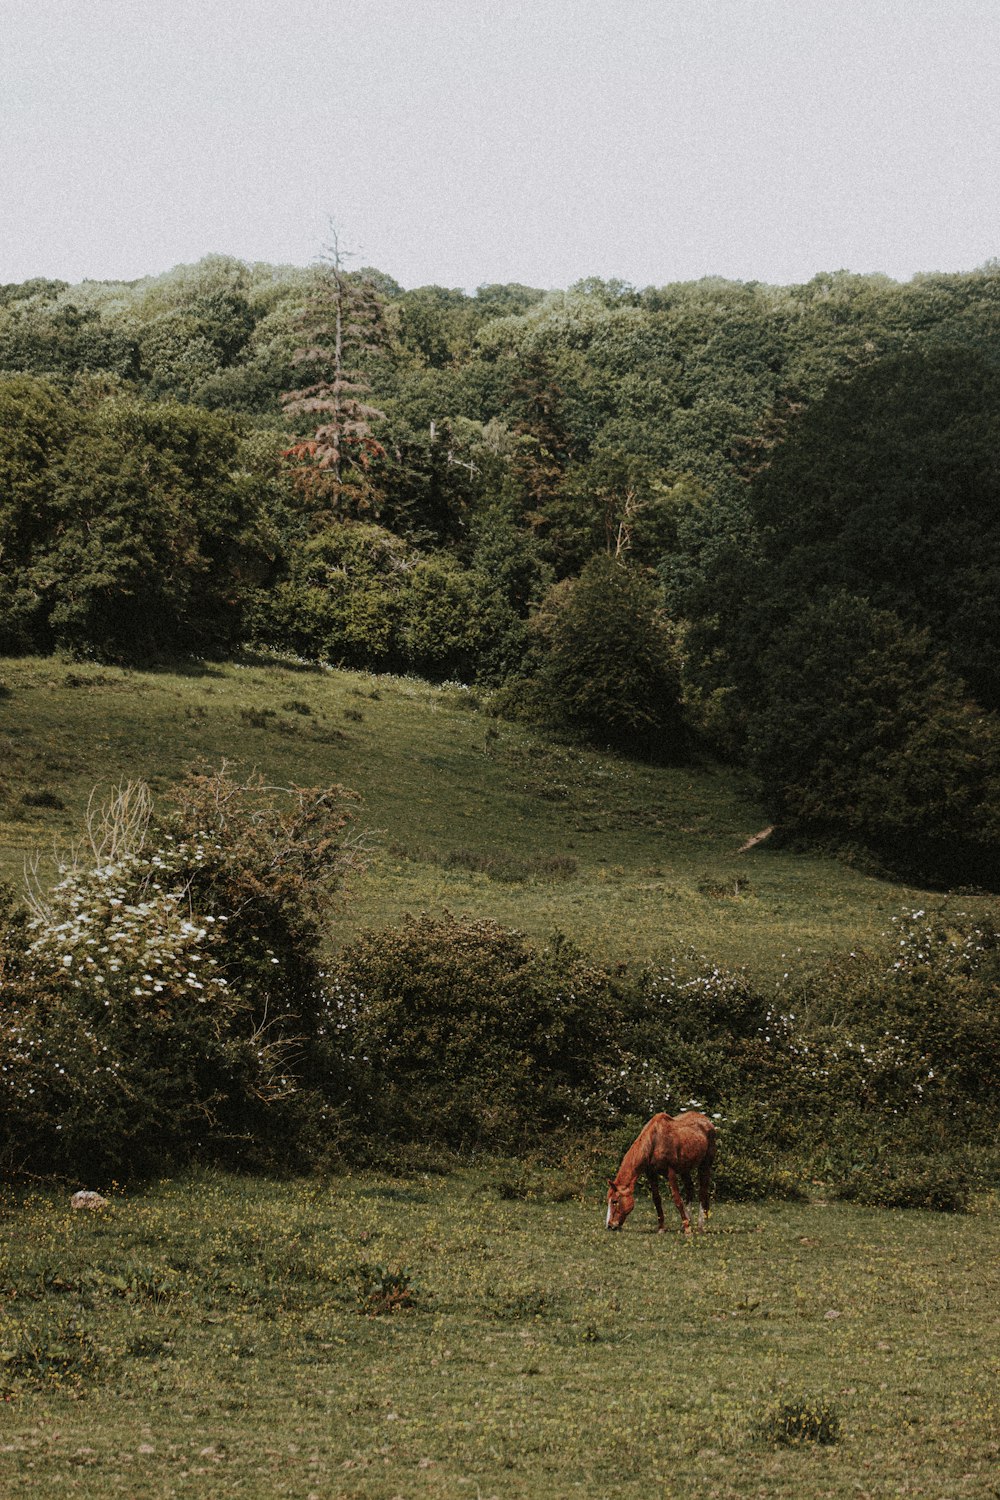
[481, 1334]
[411, 1332]
[463, 812]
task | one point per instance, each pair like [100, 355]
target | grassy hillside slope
[465, 812]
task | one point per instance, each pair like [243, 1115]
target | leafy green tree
[39, 337]
[194, 323]
[36, 424]
[860, 733]
[440, 631]
[153, 535]
[41, 287]
[616, 501]
[340, 598]
[127, 530]
[607, 664]
[428, 484]
[537, 409]
[889, 488]
[511, 579]
[504, 299]
[435, 323]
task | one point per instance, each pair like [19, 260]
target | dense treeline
[759, 519]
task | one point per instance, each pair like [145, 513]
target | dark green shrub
[43, 797]
[134, 1051]
[467, 1033]
[265, 864]
[704, 1037]
[56, 1079]
[699, 1001]
[939, 1182]
[888, 487]
[742, 1176]
[750, 1166]
[912, 1040]
[858, 732]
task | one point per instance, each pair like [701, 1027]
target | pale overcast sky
[468, 141]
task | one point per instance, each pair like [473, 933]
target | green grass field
[465, 812]
[476, 1333]
[221, 1337]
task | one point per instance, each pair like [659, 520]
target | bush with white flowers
[155, 1003]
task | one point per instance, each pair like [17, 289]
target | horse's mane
[637, 1155]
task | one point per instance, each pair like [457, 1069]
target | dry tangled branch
[117, 827]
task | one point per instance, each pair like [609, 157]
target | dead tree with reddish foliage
[340, 322]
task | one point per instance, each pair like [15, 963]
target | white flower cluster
[126, 930]
[946, 946]
[673, 989]
[340, 1006]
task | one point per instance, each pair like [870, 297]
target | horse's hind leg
[704, 1185]
[688, 1186]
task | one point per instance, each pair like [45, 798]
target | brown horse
[672, 1145]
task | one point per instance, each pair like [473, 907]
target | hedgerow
[913, 1038]
[165, 1001]
[470, 1034]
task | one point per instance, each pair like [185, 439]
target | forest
[712, 519]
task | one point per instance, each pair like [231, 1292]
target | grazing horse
[672, 1145]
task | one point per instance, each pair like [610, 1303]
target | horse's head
[621, 1202]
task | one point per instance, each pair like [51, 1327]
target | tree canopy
[770, 513]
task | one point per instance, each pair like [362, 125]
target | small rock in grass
[87, 1200]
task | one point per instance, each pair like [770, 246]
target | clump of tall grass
[798, 1420]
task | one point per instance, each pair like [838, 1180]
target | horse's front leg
[654, 1188]
[681, 1205]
